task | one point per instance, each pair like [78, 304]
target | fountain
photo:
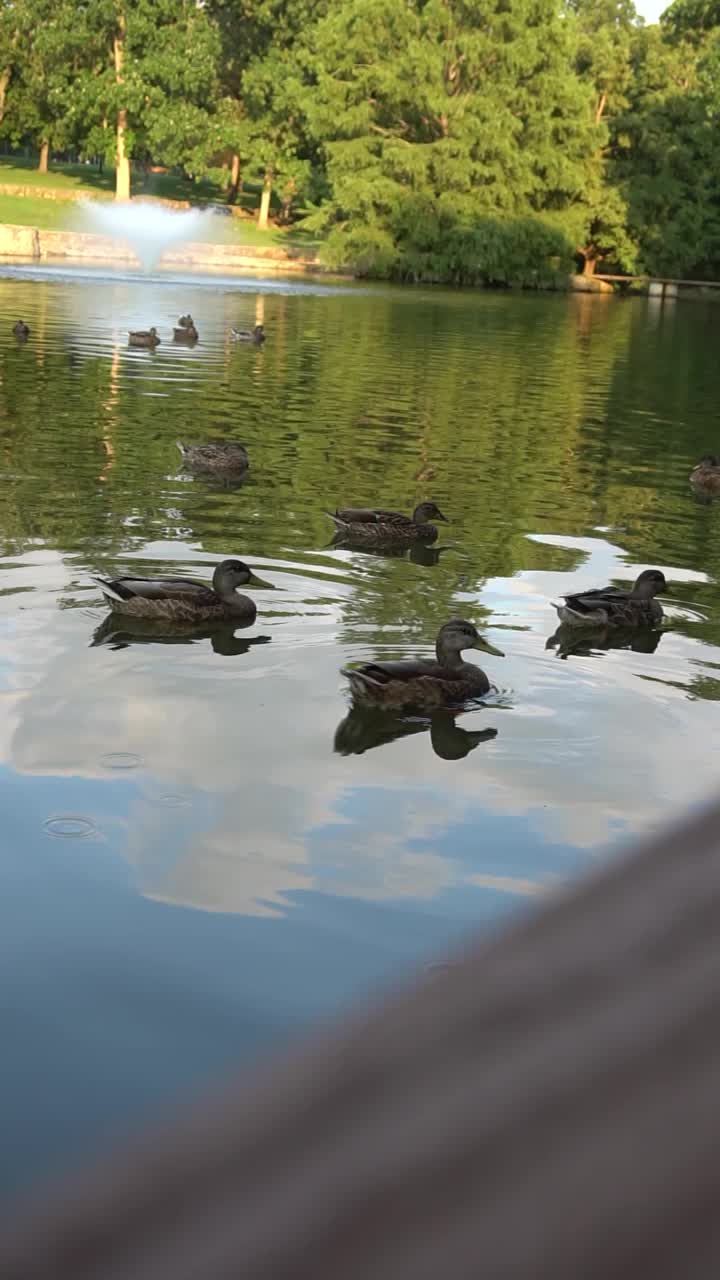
[148, 227]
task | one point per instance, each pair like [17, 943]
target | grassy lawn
[89, 181]
[66, 215]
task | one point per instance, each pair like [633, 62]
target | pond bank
[46, 245]
[39, 244]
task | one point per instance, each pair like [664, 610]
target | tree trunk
[589, 265]
[44, 157]
[122, 163]
[4, 82]
[234, 185]
[265, 200]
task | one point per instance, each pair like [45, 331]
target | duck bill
[485, 645]
[443, 519]
[255, 581]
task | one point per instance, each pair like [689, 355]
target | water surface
[202, 854]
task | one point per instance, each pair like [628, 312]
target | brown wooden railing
[547, 1107]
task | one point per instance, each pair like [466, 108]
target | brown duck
[612, 606]
[363, 524]
[422, 683]
[186, 599]
[143, 338]
[224, 456]
[186, 331]
[705, 477]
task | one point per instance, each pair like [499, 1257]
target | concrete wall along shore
[33, 243]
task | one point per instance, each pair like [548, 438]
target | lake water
[202, 857]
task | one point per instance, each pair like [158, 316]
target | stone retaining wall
[47, 246]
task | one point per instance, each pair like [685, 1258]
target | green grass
[65, 215]
[67, 177]
[86, 179]
[33, 211]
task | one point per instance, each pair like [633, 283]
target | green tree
[152, 84]
[603, 33]
[49, 46]
[473, 113]
[669, 160]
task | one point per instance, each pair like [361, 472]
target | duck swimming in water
[186, 599]
[612, 606]
[364, 524]
[422, 682]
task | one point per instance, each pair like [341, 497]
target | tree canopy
[457, 140]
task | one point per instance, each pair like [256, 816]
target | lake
[204, 855]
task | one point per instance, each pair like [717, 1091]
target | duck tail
[333, 515]
[110, 590]
[181, 447]
[361, 682]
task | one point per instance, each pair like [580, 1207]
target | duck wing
[159, 589]
[368, 515]
[588, 601]
[229, 451]
[403, 670]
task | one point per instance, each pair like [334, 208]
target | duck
[256, 335]
[186, 599]
[705, 477]
[613, 606]
[221, 456]
[21, 329]
[364, 524]
[186, 332]
[420, 682]
[143, 338]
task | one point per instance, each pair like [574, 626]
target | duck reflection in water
[364, 728]
[586, 642]
[419, 552]
[120, 632]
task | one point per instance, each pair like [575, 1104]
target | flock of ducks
[185, 331]
[420, 683]
[445, 681]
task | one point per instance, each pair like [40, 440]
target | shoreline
[29, 246]
[35, 244]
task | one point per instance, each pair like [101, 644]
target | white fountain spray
[149, 228]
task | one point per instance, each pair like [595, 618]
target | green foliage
[442, 140]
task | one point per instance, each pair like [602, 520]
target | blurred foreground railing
[548, 1107]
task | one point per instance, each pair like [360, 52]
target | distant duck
[186, 333]
[143, 338]
[222, 456]
[186, 599]
[612, 606]
[256, 335]
[422, 682]
[365, 524]
[705, 477]
[21, 329]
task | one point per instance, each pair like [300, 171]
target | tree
[471, 115]
[154, 75]
[670, 162]
[48, 52]
[603, 33]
